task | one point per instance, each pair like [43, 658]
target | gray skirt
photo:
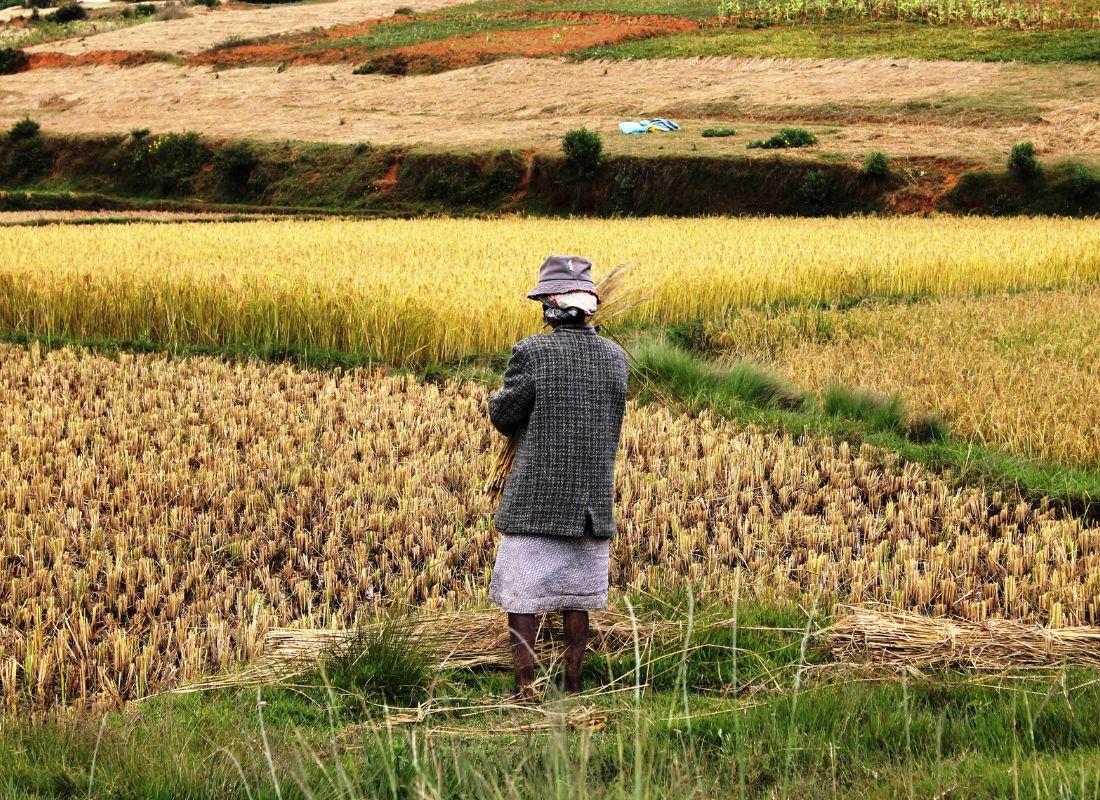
[537, 574]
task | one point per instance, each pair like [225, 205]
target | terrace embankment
[119, 172]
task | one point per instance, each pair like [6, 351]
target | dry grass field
[157, 515]
[418, 292]
[903, 107]
[1017, 372]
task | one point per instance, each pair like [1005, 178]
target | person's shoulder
[614, 347]
[531, 343]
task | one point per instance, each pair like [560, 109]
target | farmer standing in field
[562, 399]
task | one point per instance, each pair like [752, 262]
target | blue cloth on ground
[647, 125]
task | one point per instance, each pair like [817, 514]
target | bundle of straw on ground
[158, 516]
[902, 640]
[456, 640]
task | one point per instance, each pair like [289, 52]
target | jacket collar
[575, 329]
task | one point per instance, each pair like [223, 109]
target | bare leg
[522, 628]
[576, 642]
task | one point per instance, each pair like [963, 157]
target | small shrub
[171, 11]
[711, 133]
[1022, 161]
[583, 150]
[138, 134]
[144, 10]
[816, 193]
[12, 60]
[24, 155]
[168, 165]
[404, 11]
[208, 3]
[234, 165]
[877, 166]
[439, 184]
[70, 12]
[24, 129]
[1084, 185]
[787, 137]
[501, 179]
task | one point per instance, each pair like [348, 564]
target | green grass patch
[859, 40]
[739, 708]
[692, 9]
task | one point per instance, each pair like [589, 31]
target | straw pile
[903, 640]
[458, 640]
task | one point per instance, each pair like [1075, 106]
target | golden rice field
[419, 291]
[158, 515]
[1015, 372]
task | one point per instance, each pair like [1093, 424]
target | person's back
[562, 402]
[563, 399]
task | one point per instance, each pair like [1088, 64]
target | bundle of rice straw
[903, 640]
[615, 301]
[456, 640]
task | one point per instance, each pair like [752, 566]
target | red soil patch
[288, 48]
[388, 182]
[922, 196]
[578, 31]
[96, 58]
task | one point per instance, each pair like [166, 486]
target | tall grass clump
[383, 663]
[878, 412]
[688, 377]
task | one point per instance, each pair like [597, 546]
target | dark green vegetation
[69, 12]
[583, 151]
[877, 166]
[862, 39]
[184, 167]
[677, 369]
[718, 133]
[1027, 188]
[1022, 161]
[39, 171]
[787, 137]
[12, 60]
[744, 706]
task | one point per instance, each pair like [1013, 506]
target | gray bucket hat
[561, 274]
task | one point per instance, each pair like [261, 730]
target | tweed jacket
[563, 397]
